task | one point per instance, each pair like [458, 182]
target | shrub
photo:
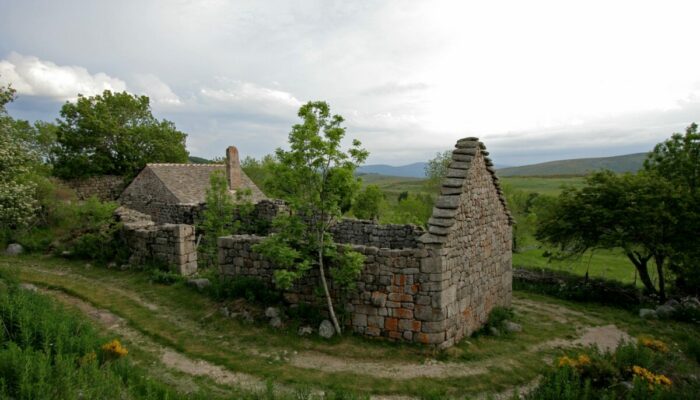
[633, 371]
[251, 289]
[693, 348]
[497, 319]
[577, 288]
[47, 352]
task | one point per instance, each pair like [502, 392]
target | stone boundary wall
[369, 233]
[172, 244]
[105, 187]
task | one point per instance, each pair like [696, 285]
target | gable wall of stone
[477, 264]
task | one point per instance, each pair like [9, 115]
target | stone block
[375, 322]
[457, 173]
[462, 157]
[359, 320]
[430, 338]
[442, 222]
[453, 182]
[465, 151]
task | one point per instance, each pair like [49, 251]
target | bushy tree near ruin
[221, 216]
[677, 160]
[436, 168]
[368, 203]
[113, 133]
[653, 215]
[18, 202]
[316, 178]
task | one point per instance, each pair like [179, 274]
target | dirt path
[168, 357]
[603, 336]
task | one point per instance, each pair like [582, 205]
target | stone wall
[369, 233]
[105, 187]
[471, 228]
[392, 298]
[171, 244]
[440, 286]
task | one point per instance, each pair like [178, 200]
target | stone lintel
[453, 182]
[429, 238]
[449, 202]
[444, 213]
[450, 190]
[457, 173]
[465, 151]
[437, 230]
[443, 222]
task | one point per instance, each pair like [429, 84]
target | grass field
[611, 264]
[543, 185]
[169, 329]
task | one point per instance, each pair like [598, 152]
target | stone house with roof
[175, 193]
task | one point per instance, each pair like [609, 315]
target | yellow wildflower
[566, 361]
[583, 360]
[115, 349]
[580, 361]
[651, 378]
[655, 345]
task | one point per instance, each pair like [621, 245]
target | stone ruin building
[432, 287]
[174, 193]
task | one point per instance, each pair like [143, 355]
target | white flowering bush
[18, 204]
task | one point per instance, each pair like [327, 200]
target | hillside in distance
[415, 170]
[578, 166]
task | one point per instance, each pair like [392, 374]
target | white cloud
[246, 97]
[31, 76]
[156, 89]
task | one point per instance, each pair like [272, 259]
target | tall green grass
[47, 352]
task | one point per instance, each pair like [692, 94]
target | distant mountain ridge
[579, 166]
[415, 170]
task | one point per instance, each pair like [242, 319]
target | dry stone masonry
[104, 187]
[364, 232]
[170, 244]
[430, 287]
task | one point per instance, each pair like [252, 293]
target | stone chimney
[233, 168]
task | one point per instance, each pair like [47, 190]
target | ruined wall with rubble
[369, 233]
[104, 187]
[434, 288]
[170, 244]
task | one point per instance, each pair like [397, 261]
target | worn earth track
[313, 360]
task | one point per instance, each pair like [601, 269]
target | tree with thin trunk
[316, 178]
[637, 213]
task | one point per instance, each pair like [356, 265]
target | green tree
[315, 177]
[18, 203]
[436, 168]
[259, 171]
[368, 203]
[637, 213]
[677, 160]
[113, 133]
[222, 216]
[411, 209]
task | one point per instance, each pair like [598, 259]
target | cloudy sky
[536, 80]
